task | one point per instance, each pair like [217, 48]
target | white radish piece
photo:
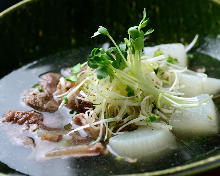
[143, 143]
[175, 50]
[201, 120]
[194, 84]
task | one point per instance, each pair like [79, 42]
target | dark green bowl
[33, 29]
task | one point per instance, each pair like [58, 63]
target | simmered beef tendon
[77, 104]
[57, 135]
[80, 120]
[77, 151]
[23, 117]
[48, 82]
[52, 136]
[43, 100]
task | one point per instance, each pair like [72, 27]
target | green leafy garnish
[158, 53]
[149, 32]
[71, 78]
[40, 89]
[87, 86]
[36, 85]
[118, 158]
[65, 99]
[102, 63]
[76, 68]
[124, 63]
[171, 60]
[101, 30]
[151, 118]
[190, 56]
[209, 117]
[130, 91]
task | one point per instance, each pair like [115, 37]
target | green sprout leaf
[76, 68]
[95, 34]
[149, 31]
[209, 117]
[171, 60]
[71, 78]
[158, 53]
[133, 32]
[190, 57]
[101, 72]
[117, 61]
[65, 99]
[118, 158]
[102, 30]
[87, 86]
[40, 89]
[35, 85]
[130, 91]
[139, 43]
[151, 118]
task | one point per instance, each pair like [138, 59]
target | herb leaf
[40, 89]
[158, 53]
[65, 99]
[101, 72]
[130, 91]
[71, 78]
[35, 85]
[102, 30]
[209, 117]
[149, 31]
[171, 60]
[76, 68]
[139, 43]
[151, 118]
[118, 158]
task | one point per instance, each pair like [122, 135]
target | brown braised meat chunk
[48, 82]
[78, 105]
[77, 151]
[43, 100]
[80, 120]
[52, 136]
[23, 117]
[57, 135]
[27, 118]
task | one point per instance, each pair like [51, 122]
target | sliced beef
[23, 117]
[48, 82]
[57, 136]
[77, 151]
[52, 136]
[27, 118]
[78, 105]
[43, 100]
[80, 120]
[78, 140]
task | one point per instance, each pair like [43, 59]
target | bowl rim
[185, 169]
